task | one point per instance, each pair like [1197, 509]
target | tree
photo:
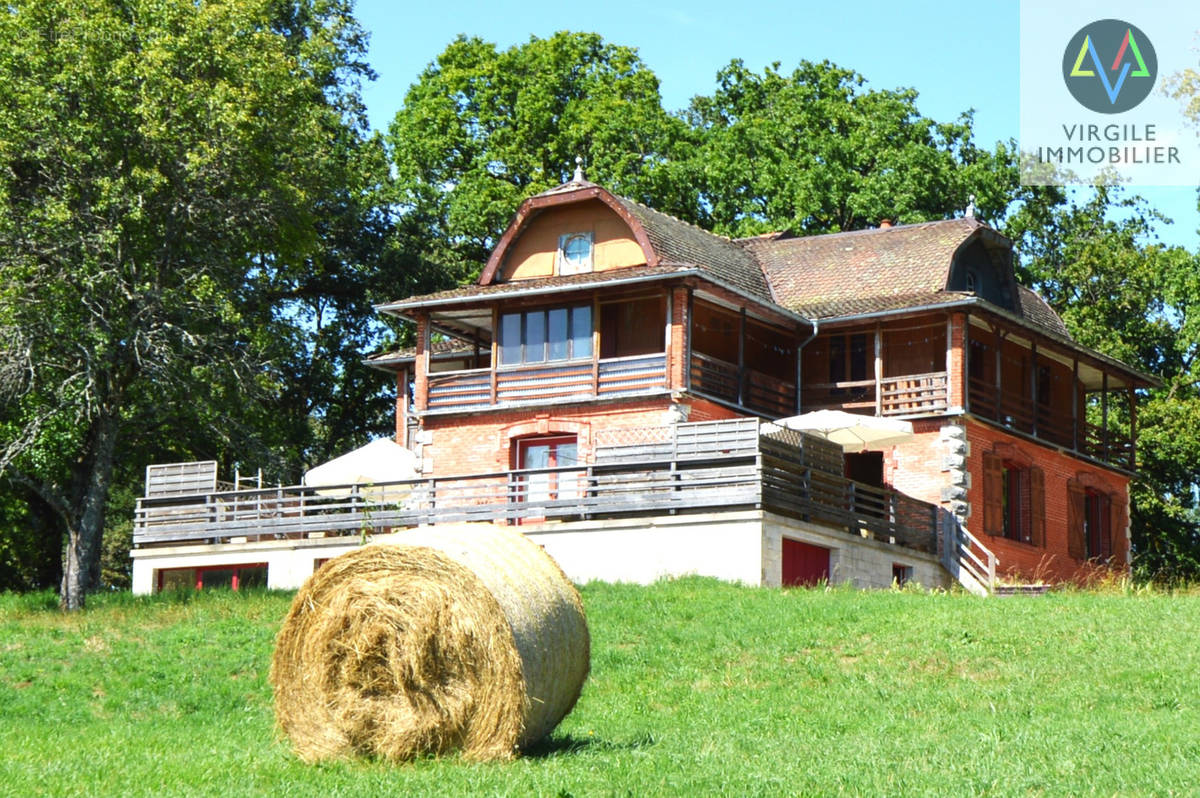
[162, 166]
[481, 130]
[815, 152]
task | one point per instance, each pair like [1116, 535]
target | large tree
[482, 129]
[162, 165]
[816, 151]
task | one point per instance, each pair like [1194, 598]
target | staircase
[974, 565]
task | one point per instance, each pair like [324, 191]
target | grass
[697, 688]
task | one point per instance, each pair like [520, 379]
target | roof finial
[970, 212]
[578, 176]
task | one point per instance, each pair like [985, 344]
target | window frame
[547, 343]
[567, 265]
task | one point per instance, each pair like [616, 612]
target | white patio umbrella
[379, 461]
[854, 432]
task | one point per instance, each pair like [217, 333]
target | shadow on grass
[560, 745]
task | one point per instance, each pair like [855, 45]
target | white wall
[740, 547]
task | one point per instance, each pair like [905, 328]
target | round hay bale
[465, 637]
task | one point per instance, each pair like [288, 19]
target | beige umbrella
[380, 461]
[853, 432]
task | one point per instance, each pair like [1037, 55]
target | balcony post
[878, 369]
[493, 386]
[1104, 415]
[965, 377]
[1075, 403]
[1132, 428]
[999, 371]
[1033, 387]
[687, 340]
[741, 364]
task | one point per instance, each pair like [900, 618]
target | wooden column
[1033, 387]
[878, 369]
[1104, 414]
[669, 350]
[1075, 403]
[402, 407]
[999, 372]
[741, 364]
[799, 369]
[495, 353]
[1132, 428]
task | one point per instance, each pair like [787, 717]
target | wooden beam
[878, 369]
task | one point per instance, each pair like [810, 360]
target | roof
[676, 241]
[846, 273]
[865, 272]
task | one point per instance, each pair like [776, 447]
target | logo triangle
[1076, 72]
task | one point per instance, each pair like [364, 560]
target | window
[575, 253]
[901, 574]
[1013, 497]
[230, 577]
[1094, 521]
[538, 336]
[971, 280]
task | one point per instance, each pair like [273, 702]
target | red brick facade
[1052, 561]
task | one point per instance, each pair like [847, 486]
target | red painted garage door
[804, 563]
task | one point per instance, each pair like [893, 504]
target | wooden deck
[704, 466]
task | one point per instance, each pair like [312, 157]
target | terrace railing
[746, 387]
[903, 395]
[477, 388]
[701, 473]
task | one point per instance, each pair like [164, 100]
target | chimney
[885, 224]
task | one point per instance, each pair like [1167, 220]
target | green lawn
[697, 688]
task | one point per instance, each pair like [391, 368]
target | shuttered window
[1014, 500]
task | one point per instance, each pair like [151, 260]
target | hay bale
[465, 637]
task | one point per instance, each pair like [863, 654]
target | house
[610, 383]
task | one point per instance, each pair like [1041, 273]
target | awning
[852, 431]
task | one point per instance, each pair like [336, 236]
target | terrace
[704, 466]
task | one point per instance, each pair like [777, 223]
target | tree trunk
[81, 562]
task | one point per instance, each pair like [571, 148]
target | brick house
[599, 324]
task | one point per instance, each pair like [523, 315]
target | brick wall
[482, 442]
[1051, 562]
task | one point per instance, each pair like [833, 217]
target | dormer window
[575, 253]
[971, 281]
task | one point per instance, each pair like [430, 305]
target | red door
[804, 563]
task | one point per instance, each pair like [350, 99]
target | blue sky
[957, 56]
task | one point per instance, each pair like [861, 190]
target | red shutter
[1118, 534]
[1037, 507]
[993, 500]
[1076, 510]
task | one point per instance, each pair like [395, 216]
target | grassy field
[697, 688]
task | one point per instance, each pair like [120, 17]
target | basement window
[230, 577]
[901, 574]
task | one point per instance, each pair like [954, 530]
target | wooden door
[804, 563]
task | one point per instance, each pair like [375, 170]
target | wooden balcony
[473, 389]
[902, 396]
[748, 388]
[1022, 415]
[705, 466]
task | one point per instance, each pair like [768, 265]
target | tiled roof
[1034, 309]
[881, 303]
[676, 241]
[844, 270]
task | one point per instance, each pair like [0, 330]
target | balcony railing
[703, 474]
[748, 388]
[1021, 414]
[905, 395]
[476, 388]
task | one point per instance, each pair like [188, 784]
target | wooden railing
[773, 477]
[972, 557]
[1020, 413]
[472, 388]
[904, 395]
[754, 390]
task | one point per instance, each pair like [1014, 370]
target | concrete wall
[742, 546]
